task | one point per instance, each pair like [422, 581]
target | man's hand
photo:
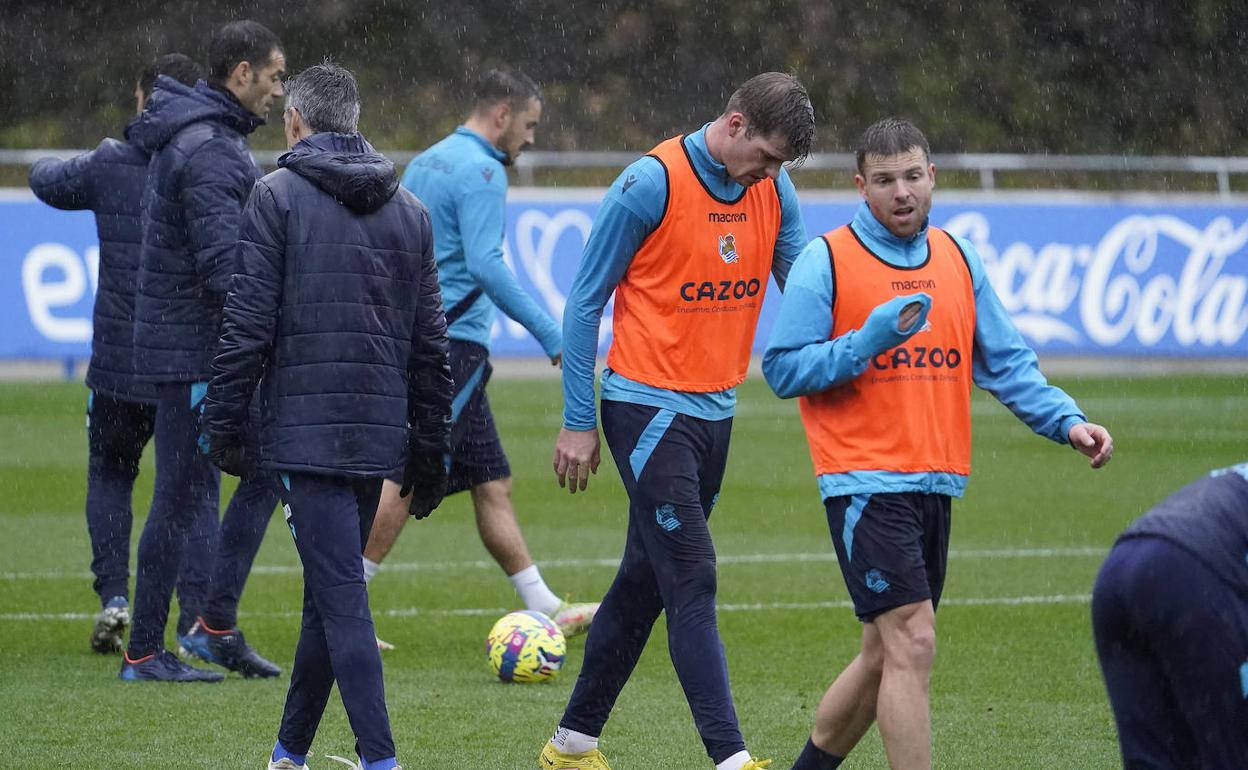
[557, 360]
[1093, 441]
[424, 482]
[227, 453]
[577, 454]
[891, 323]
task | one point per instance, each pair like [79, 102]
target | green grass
[1015, 686]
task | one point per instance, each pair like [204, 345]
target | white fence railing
[985, 165]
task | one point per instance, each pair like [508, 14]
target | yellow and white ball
[525, 646]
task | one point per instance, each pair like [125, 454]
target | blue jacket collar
[174, 106]
[898, 251]
[346, 167]
[493, 151]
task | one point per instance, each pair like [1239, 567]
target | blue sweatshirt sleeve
[482, 219]
[800, 358]
[792, 239]
[1006, 366]
[630, 211]
[64, 184]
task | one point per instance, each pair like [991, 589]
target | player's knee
[872, 657]
[343, 602]
[695, 585]
[492, 494]
[109, 461]
[913, 647]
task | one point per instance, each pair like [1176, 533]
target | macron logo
[913, 285]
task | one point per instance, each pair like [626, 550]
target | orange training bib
[687, 307]
[910, 410]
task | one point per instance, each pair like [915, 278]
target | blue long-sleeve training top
[632, 209]
[800, 358]
[463, 183]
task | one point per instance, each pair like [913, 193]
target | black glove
[227, 453]
[424, 478]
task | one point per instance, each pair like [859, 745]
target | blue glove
[882, 329]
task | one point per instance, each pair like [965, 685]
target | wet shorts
[892, 547]
[477, 455]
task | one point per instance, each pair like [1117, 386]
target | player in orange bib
[686, 238]
[884, 326]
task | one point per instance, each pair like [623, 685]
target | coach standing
[121, 413]
[337, 307]
[200, 174]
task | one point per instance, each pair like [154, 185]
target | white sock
[735, 762]
[572, 742]
[370, 568]
[534, 592]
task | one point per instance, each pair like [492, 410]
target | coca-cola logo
[1150, 277]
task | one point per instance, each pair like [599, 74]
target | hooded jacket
[198, 179]
[108, 181]
[337, 306]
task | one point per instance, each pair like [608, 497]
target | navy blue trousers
[184, 501]
[330, 518]
[672, 466]
[117, 432]
[1173, 644]
[242, 531]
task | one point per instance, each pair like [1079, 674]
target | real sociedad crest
[728, 249]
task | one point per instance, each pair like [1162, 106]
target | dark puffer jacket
[108, 181]
[337, 306]
[199, 177]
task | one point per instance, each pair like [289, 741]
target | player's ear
[502, 114]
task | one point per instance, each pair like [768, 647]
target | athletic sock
[572, 742]
[735, 762]
[280, 751]
[534, 592]
[370, 568]
[815, 758]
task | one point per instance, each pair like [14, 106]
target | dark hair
[891, 136]
[504, 85]
[776, 101]
[180, 67]
[327, 97]
[239, 41]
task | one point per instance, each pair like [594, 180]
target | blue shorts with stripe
[893, 548]
[477, 454]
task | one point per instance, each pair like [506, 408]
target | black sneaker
[228, 648]
[163, 666]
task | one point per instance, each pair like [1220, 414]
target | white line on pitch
[411, 612]
[755, 558]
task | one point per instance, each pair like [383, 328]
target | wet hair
[891, 136]
[504, 85]
[178, 66]
[327, 97]
[776, 102]
[239, 41]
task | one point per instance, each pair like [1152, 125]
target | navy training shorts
[477, 454]
[893, 548]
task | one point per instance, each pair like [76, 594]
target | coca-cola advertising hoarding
[1080, 275]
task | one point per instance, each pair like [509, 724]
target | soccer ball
[525, 646]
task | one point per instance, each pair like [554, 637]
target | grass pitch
[1016, 683]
